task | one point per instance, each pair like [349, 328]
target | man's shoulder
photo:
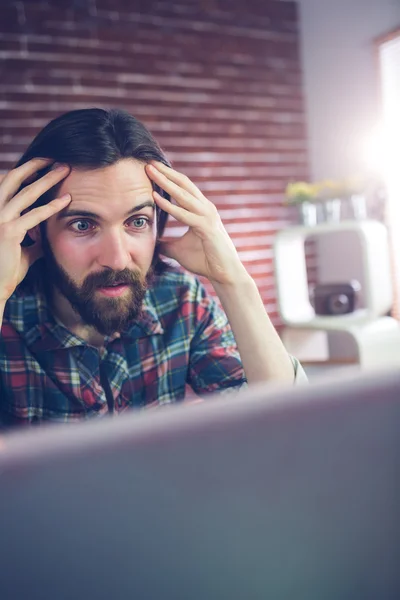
[22, 299]
[174, 278]
[25, 306]
[175, 290]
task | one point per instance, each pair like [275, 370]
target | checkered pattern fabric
[49, 374]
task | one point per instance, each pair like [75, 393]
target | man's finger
[42, 213]
[179, 179]
[13, 180]
[182, 215]
[32, 192]
[183, 197]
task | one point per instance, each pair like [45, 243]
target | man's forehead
[116, 186]
[127, 173]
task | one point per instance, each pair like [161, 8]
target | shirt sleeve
[299, 373]
[215, 364]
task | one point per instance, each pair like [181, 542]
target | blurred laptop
[277, 494]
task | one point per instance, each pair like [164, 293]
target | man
[93, 321]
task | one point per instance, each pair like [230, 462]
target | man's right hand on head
[16, 219]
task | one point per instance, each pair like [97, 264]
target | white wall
[341, 83]
[341, 90]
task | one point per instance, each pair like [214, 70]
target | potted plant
[330, 193]
[355, 193]
[303, 195]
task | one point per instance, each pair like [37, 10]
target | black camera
[335, 298]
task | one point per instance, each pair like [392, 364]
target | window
[389, 67]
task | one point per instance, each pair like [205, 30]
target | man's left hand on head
[206, 248]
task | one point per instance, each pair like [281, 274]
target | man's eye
[81, 226]
[139, 222]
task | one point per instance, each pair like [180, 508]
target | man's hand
[206, 248]
[14, 259]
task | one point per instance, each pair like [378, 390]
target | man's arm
[263, 355]
[206, 249]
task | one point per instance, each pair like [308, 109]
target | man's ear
[35, 234]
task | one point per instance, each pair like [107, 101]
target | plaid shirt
[49, 374]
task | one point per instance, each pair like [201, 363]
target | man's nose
[113, 251]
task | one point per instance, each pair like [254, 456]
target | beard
[107, 315]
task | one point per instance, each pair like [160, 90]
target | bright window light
[388, 149]
[389, 146]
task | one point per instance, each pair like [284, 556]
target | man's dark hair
[92, 138]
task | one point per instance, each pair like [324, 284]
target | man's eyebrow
[70, 212]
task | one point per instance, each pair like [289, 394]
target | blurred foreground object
[277, 494]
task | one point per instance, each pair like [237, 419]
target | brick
[9, 18]
[14, 44]
[218, 82]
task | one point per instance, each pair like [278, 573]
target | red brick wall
[218, 82]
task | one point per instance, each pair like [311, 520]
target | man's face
[100, 248]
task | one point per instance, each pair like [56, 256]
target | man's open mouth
[113, 289]
[115, 284]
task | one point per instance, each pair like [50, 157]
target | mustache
[110, 277]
